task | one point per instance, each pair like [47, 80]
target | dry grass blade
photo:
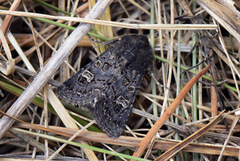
[236, 119]
[8, 19]
[128, 141]
[30, 141]
[144, 143]
[105, 31]
[227, 17]
[167, 155]
[213, 92]
[163, 144]
[9, 69]
[116, 24]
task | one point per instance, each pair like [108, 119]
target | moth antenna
[156, 81]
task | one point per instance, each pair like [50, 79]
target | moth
[107, 86]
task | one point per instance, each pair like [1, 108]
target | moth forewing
[107, 87]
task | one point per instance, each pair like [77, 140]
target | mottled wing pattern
[81, 89]
[107, 87]
[114, 106]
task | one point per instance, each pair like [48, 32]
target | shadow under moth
[107, 86]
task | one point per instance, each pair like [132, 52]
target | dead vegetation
[41, 49]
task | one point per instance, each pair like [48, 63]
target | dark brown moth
[107, 87]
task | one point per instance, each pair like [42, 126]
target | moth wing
[112, 108]
[107, 87]
[81, 89]
[94, 78]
